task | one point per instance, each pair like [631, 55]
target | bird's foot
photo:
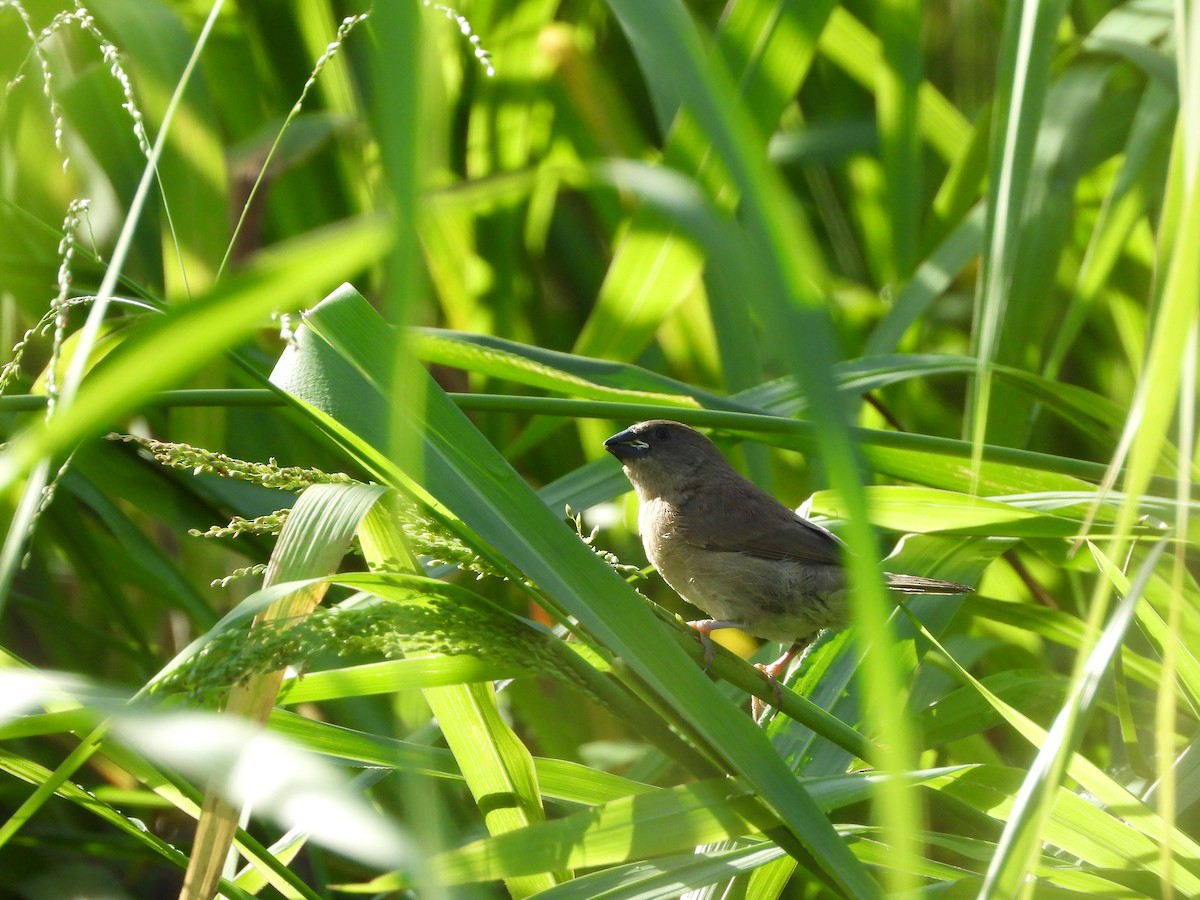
[705, 627]
[759, 710]
[772, 672]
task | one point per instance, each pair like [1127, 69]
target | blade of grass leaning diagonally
[1096, 838]
[278, 780]
[467, 475]
[329, 62]
[535, 366]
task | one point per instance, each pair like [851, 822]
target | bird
[734, 551]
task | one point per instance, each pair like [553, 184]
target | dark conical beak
[626, 445]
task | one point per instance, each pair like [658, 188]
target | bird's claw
[772, 672]
[704, 629]
[759, 710]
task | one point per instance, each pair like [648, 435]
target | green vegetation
[370, 288]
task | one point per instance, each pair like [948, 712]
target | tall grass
[923, 292]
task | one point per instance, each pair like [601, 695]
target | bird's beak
[626, 445]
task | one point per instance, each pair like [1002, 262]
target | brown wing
[739, 517]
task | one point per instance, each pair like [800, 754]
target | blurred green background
[930, 267]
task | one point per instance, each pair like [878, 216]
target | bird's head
[662, 458]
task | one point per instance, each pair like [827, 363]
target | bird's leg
[706, 627]
[771, 672]
[777, 668]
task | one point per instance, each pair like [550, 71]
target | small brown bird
[733, 550]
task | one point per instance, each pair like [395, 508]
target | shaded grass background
[765, 211]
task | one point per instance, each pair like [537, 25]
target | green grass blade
[165, 350]
[469, 477]
[1015, 851]
[409, 674]
[929, 281]
[666, 877]
[897, 87]
[672, 819]
[1027, 42]
[313, 540]
[851, 46]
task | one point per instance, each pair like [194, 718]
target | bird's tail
[915, 584]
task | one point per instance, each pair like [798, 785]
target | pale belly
[776, 600]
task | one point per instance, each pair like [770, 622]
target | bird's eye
[662, 433]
